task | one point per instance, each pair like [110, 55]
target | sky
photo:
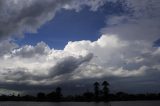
[73, 43]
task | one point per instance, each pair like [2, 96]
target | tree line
[100, 93]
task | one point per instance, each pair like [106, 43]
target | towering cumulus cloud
[125, 54]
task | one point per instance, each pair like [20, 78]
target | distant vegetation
[97, 96]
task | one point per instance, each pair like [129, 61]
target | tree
[96, 89]
[51, 96]
[40, 96]
[105, 85]
[58, 93]
[88, 96]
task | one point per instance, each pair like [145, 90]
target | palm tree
[96, 89]
[105, 85]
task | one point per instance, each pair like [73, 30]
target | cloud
[7, 46]
[109, 57]
[20, 16]
[140, 29]
[145, 8]
[79, 4]
[125, 50]
[69, 64]
[123, 55]
[141, 23]
[29, 51]
[113, 57]
[39, 64]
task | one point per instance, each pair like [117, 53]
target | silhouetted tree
[98, 95]
[105, 85]
[58, 93]
[28, 98]
[51, 96]
[122, 95]
[96, 90]
[41, 96]
[88, 96]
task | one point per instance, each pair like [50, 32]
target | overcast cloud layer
[124, 54]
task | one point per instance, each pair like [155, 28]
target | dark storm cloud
[6, 47]
[20, 16]
[69, 64]
[129, 84]
[17, 76]
[64, 67]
